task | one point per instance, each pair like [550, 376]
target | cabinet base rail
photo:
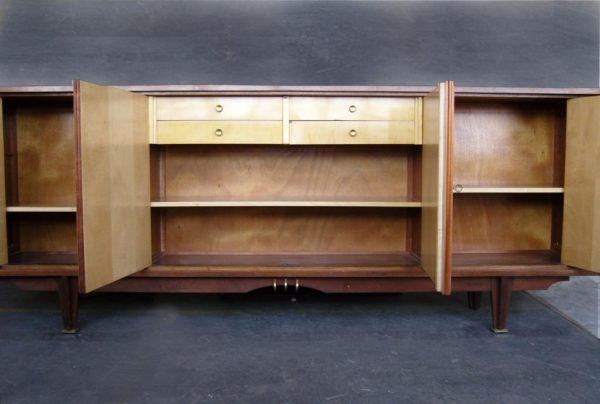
[499, 287]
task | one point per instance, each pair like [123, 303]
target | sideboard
[230, 189]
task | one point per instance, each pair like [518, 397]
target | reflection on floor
[578, 300]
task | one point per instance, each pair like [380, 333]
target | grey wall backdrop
[543, 44]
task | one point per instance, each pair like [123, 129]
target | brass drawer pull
[219, 132]
[353, 133]
[219, 108]
[352, 108]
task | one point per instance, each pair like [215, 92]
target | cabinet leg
[500, 296]
[68, 295]
[474, 300]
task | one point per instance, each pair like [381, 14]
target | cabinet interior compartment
[512, 229]
[335, 225]
[286, 236]
[285, 173]
[509, 161]
[40, 180]
[42, 238]
[39, 152]
[509, 142]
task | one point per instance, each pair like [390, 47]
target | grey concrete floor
[578, 300]
[267, 349]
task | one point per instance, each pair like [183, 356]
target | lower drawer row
[272, 132]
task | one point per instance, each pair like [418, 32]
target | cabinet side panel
[581, 223]
[3, 239]
[114, 176]
[432, 225]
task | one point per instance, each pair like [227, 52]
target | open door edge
[79, 188]
[449, 196]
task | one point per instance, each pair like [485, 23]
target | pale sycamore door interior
[113, 181]
[581, 224]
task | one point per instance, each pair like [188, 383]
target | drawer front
[353, 109]
[348, 132]
[219, 108]
[215, 132]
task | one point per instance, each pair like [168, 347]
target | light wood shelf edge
[191, 204]
[510, 190]
[41, 209]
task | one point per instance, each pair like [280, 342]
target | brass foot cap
[72, 331]
[499, 330]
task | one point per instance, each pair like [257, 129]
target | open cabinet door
[438, 110]
[113, 184]
[581, 221]
[3, 237]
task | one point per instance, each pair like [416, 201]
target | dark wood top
[315, 90]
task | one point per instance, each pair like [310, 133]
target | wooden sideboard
[220, 189]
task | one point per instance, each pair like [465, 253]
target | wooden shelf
[400, 259]
[35, 258]
[182, 203]
[509, 190]
[40, 209]
[505, 258]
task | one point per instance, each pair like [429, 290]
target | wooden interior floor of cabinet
[43, 258]
[401, 259]
[505, 258]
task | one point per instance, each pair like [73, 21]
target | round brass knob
[352, 133]
[352, 108]
[219, 108]
[219, 132]
[458, 188]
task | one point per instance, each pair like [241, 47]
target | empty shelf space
[33, 208]
[460, 189]
[400, 259]
[506, 258]
[188, 203]
[43, 258]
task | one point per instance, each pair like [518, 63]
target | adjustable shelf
[459, 189]
[321, 202]
[33, 208]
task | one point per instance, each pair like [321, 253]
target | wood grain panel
[351, 132]
[283, 172]
[218, 132]
[353, 108]
[581, 225]
[49, 233]
[502, 222]
[506, 143]
[46, 155]
[3, 234]
[434, 157]
[114, 184]
[219, 108]
[285, 230]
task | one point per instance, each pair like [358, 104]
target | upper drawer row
[272, 108]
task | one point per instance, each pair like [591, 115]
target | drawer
[211, 132]
[353, 109]
[219, 108]
[348, 132]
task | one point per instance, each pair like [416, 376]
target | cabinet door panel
[3, 239]
[438, 109]
[581, 220]
[113, 181]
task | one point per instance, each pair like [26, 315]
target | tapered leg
[474, 300]
[68, 295]
[501, 293]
